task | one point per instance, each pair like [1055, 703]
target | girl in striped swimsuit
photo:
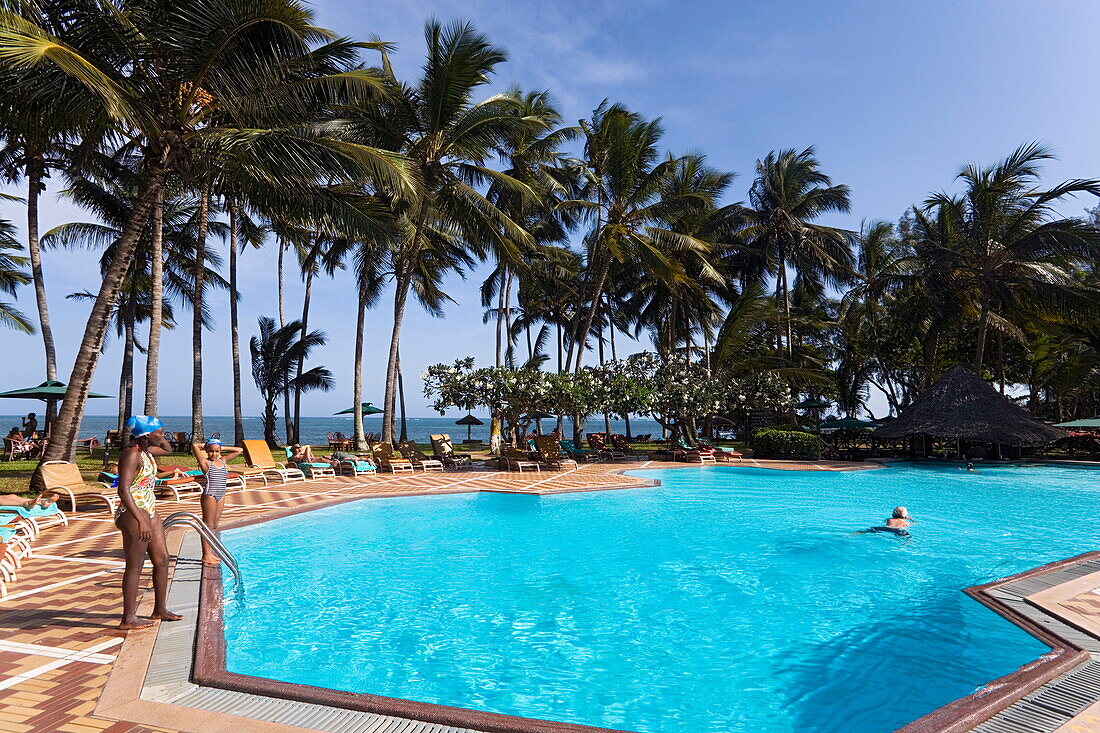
[212, 459]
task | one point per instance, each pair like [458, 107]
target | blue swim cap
[213, 441]
[140, 425]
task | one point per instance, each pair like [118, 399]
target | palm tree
[623, 194]
[275, 355]
[885, 267]
[109, 193]
[787, 195]
[446, 135]
[152, 64]
[12, 275]
[39, 121]
[1011, 252]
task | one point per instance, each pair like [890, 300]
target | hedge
[776, 443]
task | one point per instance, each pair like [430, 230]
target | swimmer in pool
[969, 467]
[897, 524]
[900, 518]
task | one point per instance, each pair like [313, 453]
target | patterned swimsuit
[143, 486]
[216, 476]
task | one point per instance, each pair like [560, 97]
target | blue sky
[895, 97]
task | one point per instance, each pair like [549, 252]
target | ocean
[314, 429]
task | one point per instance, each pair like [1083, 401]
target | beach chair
[445, 452]
[178, 488]
[18, 450]
[598, 443]
[319, 469]
[112, 439]
[412, 451]
[723, 455]
[385, 458]
[64, 478]
[623, 446]
[357, 466]
[514, 458]
[88, 443]
[259, 457]
[578, 454]
[692, 454]
[548, 452]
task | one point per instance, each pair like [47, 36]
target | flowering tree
[677, 392]
[509, 395]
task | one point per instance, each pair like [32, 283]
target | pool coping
[207, 666]
[1069, 650]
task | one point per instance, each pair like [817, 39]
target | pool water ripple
[726, 599]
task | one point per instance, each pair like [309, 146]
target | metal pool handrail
[199, 526]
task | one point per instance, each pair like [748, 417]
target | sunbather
[302, 454]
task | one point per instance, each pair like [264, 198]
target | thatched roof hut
[962, 406]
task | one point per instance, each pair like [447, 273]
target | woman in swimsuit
[212, 460]
[141, 527]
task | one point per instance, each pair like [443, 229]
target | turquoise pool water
[727, 599]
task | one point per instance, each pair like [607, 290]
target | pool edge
[965, 713]
[962, 714]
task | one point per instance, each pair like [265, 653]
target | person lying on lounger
[302, 454]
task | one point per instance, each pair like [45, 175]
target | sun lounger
[31, 522]
[548, 452]
[317, 469]
[721, 454]
[412, 451]
[385, 458]
[64, 478]
[179, 488]
[692, 454]
[357, 467]
[578, 454]
[514, 458]
[259, 456]
[445, 452]
[623, 446]
[598, 443]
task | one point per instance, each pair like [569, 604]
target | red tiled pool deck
[58, 641]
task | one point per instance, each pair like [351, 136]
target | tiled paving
[57, 625]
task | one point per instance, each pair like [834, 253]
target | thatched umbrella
[469, 421]
[962, 406]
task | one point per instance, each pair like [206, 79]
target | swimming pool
[726, 599]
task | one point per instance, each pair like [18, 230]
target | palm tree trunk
[126, 375]
[494, 420]
[282, 322]
[35, 186]
[1001, 360]
[509, 341]
[301, 359]
[500, 326]
[403, 274]
[279, 279]
[786, 308]
[597, 293]
[63, 438]
[983, 328]
[197, 433]
[156, 303]
[401, 396]
[399, 298]
[234, 330]
[357, 380]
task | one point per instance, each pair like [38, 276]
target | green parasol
[368, 409]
